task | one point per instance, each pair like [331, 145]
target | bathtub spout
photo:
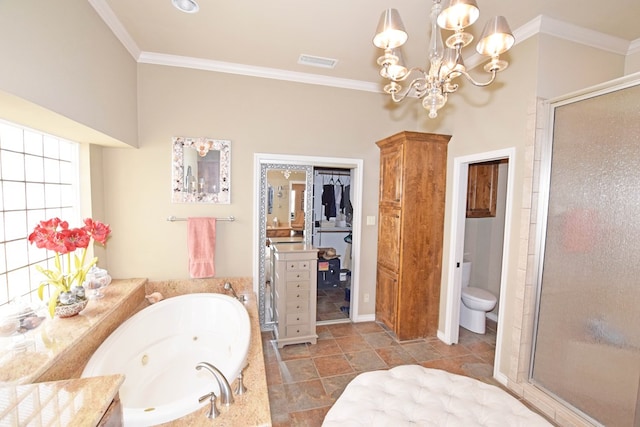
[226, 397]
[228, 287]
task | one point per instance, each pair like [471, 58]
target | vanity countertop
[75, 402]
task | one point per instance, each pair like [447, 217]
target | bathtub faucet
[226, 397]
[228, 287]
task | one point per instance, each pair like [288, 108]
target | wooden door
[386, 297]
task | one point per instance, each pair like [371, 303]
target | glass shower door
[587, 343]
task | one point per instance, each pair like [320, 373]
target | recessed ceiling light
[188, 6]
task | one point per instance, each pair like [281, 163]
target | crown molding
[106, 13]
[539, 25]
[585, 36]
[634, 47]
[253, 71]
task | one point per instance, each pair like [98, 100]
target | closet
[410, 232]
[332, 227]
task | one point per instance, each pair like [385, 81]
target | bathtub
[158, 349]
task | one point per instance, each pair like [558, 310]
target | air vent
[316, 61]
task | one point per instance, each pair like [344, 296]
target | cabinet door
[386, 297]
[389, 238]
[391, 175]
[482, 190]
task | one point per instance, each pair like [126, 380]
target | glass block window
[38, 181]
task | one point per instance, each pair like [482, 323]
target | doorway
[263, 162]
[457, 245]
[332, 232]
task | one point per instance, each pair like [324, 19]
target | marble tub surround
[75, 402]
[172, 288]
[61, 347]
[251, 408]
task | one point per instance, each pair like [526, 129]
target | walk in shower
[587, 340]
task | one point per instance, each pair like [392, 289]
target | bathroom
[484, 242]
[127, 122]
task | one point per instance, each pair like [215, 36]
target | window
[38, 181]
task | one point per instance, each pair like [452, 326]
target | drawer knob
[297, 318]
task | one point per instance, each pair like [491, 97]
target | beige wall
[64, 72]
[257, 115]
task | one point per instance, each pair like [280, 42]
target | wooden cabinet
[410, 229]
[482, 190]
[295, 271]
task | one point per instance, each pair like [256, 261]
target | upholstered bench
[413, 395]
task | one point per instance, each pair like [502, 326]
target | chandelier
[433, 85]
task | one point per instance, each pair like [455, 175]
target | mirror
[289, 182]
[297, 197]
[201, 170]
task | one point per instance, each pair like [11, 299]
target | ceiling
[272, 34]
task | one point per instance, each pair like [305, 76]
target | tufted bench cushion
[412, 395]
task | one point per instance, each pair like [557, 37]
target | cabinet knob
[297, 318]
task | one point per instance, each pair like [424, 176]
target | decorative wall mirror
[201, 170]
[268, 207]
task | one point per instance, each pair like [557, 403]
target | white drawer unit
[294, 273]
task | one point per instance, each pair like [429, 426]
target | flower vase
[70, 310]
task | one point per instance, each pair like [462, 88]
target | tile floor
[305, 380]
[331, 303]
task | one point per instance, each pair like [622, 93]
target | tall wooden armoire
[410, 228]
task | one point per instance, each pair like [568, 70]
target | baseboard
[441, 336]
[500, 377]
[364, 318]
[492, 316]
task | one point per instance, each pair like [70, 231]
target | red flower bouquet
[68, 276]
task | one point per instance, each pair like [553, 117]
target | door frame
[456, 247]
[357, 182]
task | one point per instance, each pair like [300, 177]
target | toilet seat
[478, 295]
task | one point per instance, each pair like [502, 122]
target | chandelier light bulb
[496, 37]
[390, 32]
[458, 14]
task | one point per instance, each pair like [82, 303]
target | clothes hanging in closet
[337, 189]
[329, 200]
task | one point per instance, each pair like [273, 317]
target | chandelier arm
[479, 84]
[409, 72]
[414, 86]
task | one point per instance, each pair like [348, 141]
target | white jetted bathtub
[158, 349]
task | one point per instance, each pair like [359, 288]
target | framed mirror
[275, 191]
[201, 170]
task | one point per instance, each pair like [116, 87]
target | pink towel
[201, 241]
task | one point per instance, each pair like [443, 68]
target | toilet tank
[466, 273]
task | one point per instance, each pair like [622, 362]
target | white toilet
[475, 303]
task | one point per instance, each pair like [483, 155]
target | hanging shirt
[328, 201]
[338, 194]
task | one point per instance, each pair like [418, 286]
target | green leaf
[53, 301]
